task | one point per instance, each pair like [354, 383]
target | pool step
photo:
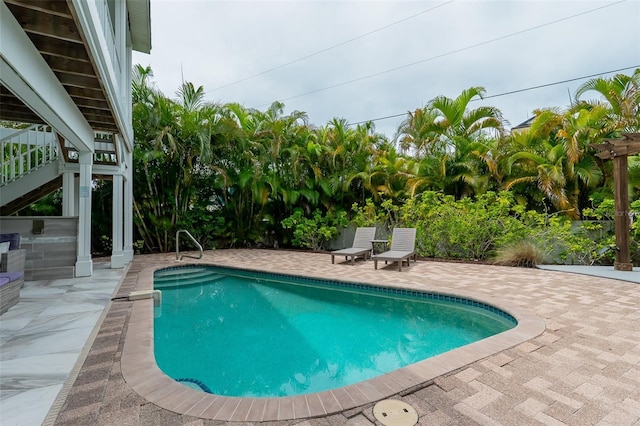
[182, 274]
[186, 281]
[184, 277]
[181, 271]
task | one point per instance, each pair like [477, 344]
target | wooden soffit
[50, 26]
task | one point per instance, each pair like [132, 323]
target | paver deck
[583, 369]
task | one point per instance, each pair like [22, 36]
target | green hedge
[480, 228]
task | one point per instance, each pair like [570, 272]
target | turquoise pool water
[250, 334]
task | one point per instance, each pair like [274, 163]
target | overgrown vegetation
[242, 177]
[494, 226]
[312, 232]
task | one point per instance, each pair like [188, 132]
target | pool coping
[142, 374]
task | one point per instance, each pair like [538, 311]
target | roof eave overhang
[140, 24]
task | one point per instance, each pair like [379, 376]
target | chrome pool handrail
[178, 257]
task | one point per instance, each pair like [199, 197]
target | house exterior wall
[109, 37]
[106, 37]
[51, 254]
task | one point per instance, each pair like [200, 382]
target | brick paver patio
[583, 369]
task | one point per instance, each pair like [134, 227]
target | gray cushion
[14, 240]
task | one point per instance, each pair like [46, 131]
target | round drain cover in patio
[392, 412]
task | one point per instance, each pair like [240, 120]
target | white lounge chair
[403, 247]
[361, 246]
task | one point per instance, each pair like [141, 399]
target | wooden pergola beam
[618, 150]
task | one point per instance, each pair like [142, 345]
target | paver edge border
[142, 374]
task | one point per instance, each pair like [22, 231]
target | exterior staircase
[29, 164]
[32, 161]
[31, 197]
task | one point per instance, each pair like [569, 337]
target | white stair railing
[24, 150]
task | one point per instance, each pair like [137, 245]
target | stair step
[180, 271]
[184, 278]
[201, 273]
[186, 282]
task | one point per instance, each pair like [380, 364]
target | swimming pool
[142, 374]
[251, 334]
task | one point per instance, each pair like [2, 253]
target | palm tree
[547, 172]
[552, 153]
[455, 120]
[580, 129]
[240, 188]
[344, 161]
[453, 144]
[620, 97]
[419, 134]
[172, 156]
[365, 143]
[153, 121]
[392, 174]
[621, 94]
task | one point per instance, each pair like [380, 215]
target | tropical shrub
[494, 225]
[204, 225]
[312, 232]
[566, 241]
[463, 229]
[386, 215]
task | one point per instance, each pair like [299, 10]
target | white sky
[501, 45]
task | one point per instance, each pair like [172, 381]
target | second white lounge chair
[403, 247]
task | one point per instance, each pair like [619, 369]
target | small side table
[379, 246]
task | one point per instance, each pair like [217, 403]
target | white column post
[68, 194]
[128, 209]
[117, 256]
[84, 264]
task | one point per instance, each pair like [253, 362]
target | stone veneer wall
[53, 253]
